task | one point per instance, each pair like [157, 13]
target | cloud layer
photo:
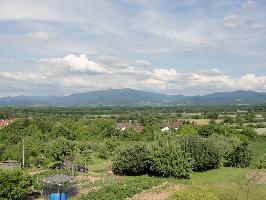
[78, 73]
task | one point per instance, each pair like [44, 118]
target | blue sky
[190, 47]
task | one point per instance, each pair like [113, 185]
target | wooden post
[23, 153]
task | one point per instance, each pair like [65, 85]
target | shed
[10, 164]
[59, 183]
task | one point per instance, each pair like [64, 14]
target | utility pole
[23, 153]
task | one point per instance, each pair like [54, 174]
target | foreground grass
[225, 183]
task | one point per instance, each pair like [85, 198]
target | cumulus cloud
[78, 73]
[165, 74]
[76, 64]
[251, 82]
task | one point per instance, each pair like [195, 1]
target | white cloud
[251, 82]
[41, 35]
[155, 84]
[233, 21]
[72, 74]
[143, 62]
[112, 61]
[248, 4]
[20, 76]
[76, 64]
[164, 74]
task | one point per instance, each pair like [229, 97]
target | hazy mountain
[130, 97]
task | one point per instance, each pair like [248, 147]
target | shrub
[14, 185]
[132, 160]
[249, 132]
[107, 148]
[123, 189]
[261, 162]
[187, 129]
[167, 159]
[240, 157]
[208, 130]
[204, 153]
[194, 192]
[60, 148]
[225, 146]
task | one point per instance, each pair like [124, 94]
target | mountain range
[131, 97]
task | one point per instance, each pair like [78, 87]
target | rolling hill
[131, 97]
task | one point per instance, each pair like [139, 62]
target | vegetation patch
[120, 190]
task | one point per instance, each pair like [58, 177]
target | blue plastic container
[51, 196]
[63, 196]
[57, 196]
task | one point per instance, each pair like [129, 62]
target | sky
[191, 47]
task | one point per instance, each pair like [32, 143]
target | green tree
[187, 129]
[229, 120]
[102, 128]
[240, 157]
[132, 160]
[204, 153]
[168, 159]
[14, 185]
[249, 132]
[60, 148]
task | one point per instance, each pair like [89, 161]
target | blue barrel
[51, 196]
[57, 196]
[63, 196]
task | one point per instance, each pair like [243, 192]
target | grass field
[225, 183]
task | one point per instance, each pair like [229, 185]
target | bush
[187, 129]
[261, 162]
[60, 148]
[107, 148]
[14, 185]
[208, 130]
[194, 192]
[225, 145]
[167, 159]
[123, 189]
[204, 153]
[240, 157]
[249, 132]
[132, 160]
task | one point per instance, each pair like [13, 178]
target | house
[168, 126]
[127, 126]
[5, 122]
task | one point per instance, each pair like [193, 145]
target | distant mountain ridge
[131, 97]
